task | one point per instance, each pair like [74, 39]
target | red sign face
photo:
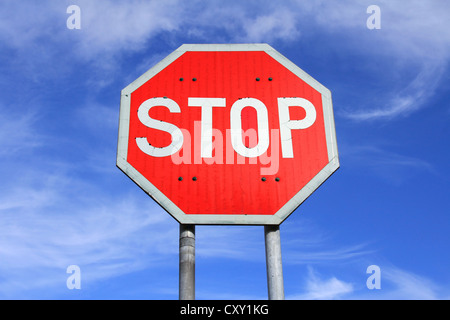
[227, 134]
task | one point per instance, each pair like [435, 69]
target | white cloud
[400, 284]
[327, 255]
[374, 156]
[413, 36]
[48, 224]
[307, 244]
[412, 30]
[395, 284]
[109, 26]
[230, 242]
[18, 132]
[320, 289]
[407, 285]
[281, 23]
[412, 97]
[390, 165]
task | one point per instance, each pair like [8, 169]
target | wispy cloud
[230, 242]
[413, 37]
[401, 284]
[53, 216]
[317, 288]
[375, 156]
[61, 220]
[382, 161]
[55, 212]
[395, 284]
[18, 132]
[407, 285]
[281, 23]
[310, 244]
[110, 26]
[327, 255]
[412, 97]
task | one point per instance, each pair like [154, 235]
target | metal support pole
[273, 262]
[187, 262]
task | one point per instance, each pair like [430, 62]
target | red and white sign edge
[227, 219]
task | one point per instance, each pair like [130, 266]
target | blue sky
[63, 201]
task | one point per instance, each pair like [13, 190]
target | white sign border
[226, 219]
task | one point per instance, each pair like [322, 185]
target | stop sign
[227, 134]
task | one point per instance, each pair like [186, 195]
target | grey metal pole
[187, 262]
[273, 262]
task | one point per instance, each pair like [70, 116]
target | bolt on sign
[227, 134]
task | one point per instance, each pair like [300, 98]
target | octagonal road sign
[227, 134]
